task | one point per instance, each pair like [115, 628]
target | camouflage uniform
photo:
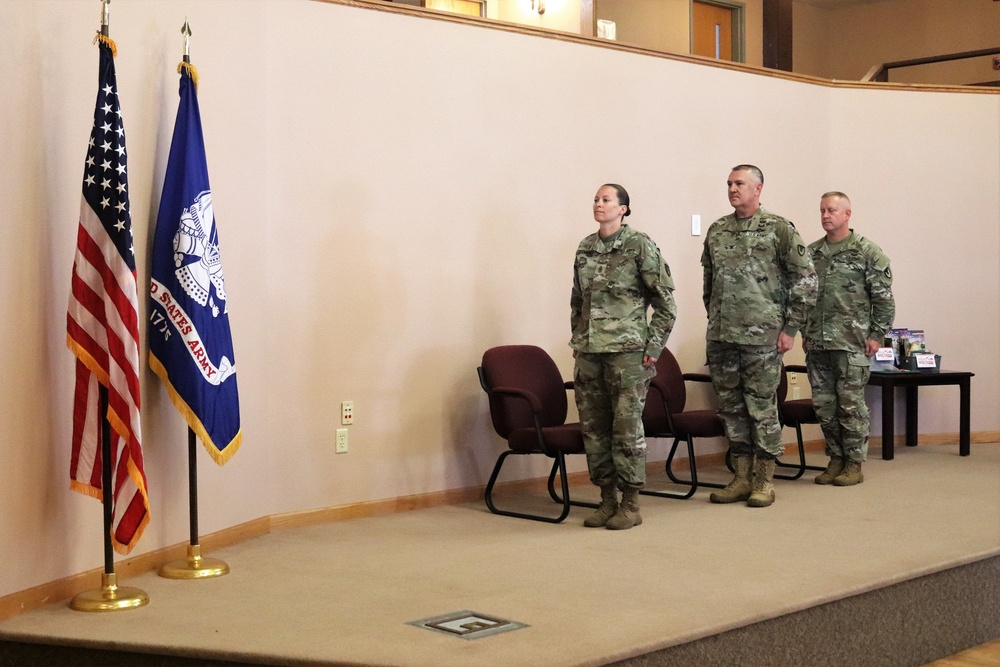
[855, 303]
[759, 281]
[615, 281]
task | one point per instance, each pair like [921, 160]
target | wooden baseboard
[981, 437]
[376, 508]
[67, 587]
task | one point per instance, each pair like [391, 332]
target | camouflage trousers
[838, 379]
[610, 393]
[746, 379]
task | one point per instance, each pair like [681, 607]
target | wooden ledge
[494, 24]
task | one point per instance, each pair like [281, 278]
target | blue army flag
[190, 343]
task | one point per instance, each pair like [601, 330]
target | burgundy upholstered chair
[665, 417]
[795, 413]
[528, 407]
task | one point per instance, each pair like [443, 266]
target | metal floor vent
[468, 624]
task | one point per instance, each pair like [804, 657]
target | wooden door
[712, 30]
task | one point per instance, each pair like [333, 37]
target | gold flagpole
[110, 596]
[194, 566]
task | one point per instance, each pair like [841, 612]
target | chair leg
[565, 486]
[801, 466]
[692, 484]
[670, 468]
[802, 450]
[551, 483]
[691, 464]
[559, 465]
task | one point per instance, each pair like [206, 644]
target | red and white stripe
[103, 333]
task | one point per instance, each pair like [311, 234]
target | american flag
[102, 322]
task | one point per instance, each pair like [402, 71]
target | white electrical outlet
[347, 412]
[341, 440]
[695, 225]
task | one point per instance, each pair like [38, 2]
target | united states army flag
[190, 342]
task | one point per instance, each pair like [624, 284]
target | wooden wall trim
[493, 24]
[377, 507]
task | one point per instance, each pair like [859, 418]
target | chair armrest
[536, 405]
[796, 369]
[697, 377]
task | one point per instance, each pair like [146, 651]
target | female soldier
[618, 275]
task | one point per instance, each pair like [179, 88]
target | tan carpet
[344, 593]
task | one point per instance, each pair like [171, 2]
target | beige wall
[846, 41]
[397, 194]
[754, 10]
[655, 24]
[561, 15]
[809, 41]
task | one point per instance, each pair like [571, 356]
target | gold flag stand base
[194, 566]
[109, 597]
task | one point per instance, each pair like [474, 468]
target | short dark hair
[753, 169]
[622, 197]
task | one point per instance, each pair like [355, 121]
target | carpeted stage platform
[901, 570]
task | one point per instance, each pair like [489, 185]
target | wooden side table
[912, 381]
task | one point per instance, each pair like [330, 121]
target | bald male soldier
[759, 287]
[854, 310]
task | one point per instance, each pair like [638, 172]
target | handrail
[880, 73]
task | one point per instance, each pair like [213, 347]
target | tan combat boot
[628, 512]
[607, 508]
[850, 476]
[738, 488]
[833, 468]
[763, 483]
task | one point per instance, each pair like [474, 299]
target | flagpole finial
[105, 16]
[186, 62]
[186, 31]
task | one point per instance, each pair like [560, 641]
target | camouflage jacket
[613, 287]
[855, 295]
[759, 279]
